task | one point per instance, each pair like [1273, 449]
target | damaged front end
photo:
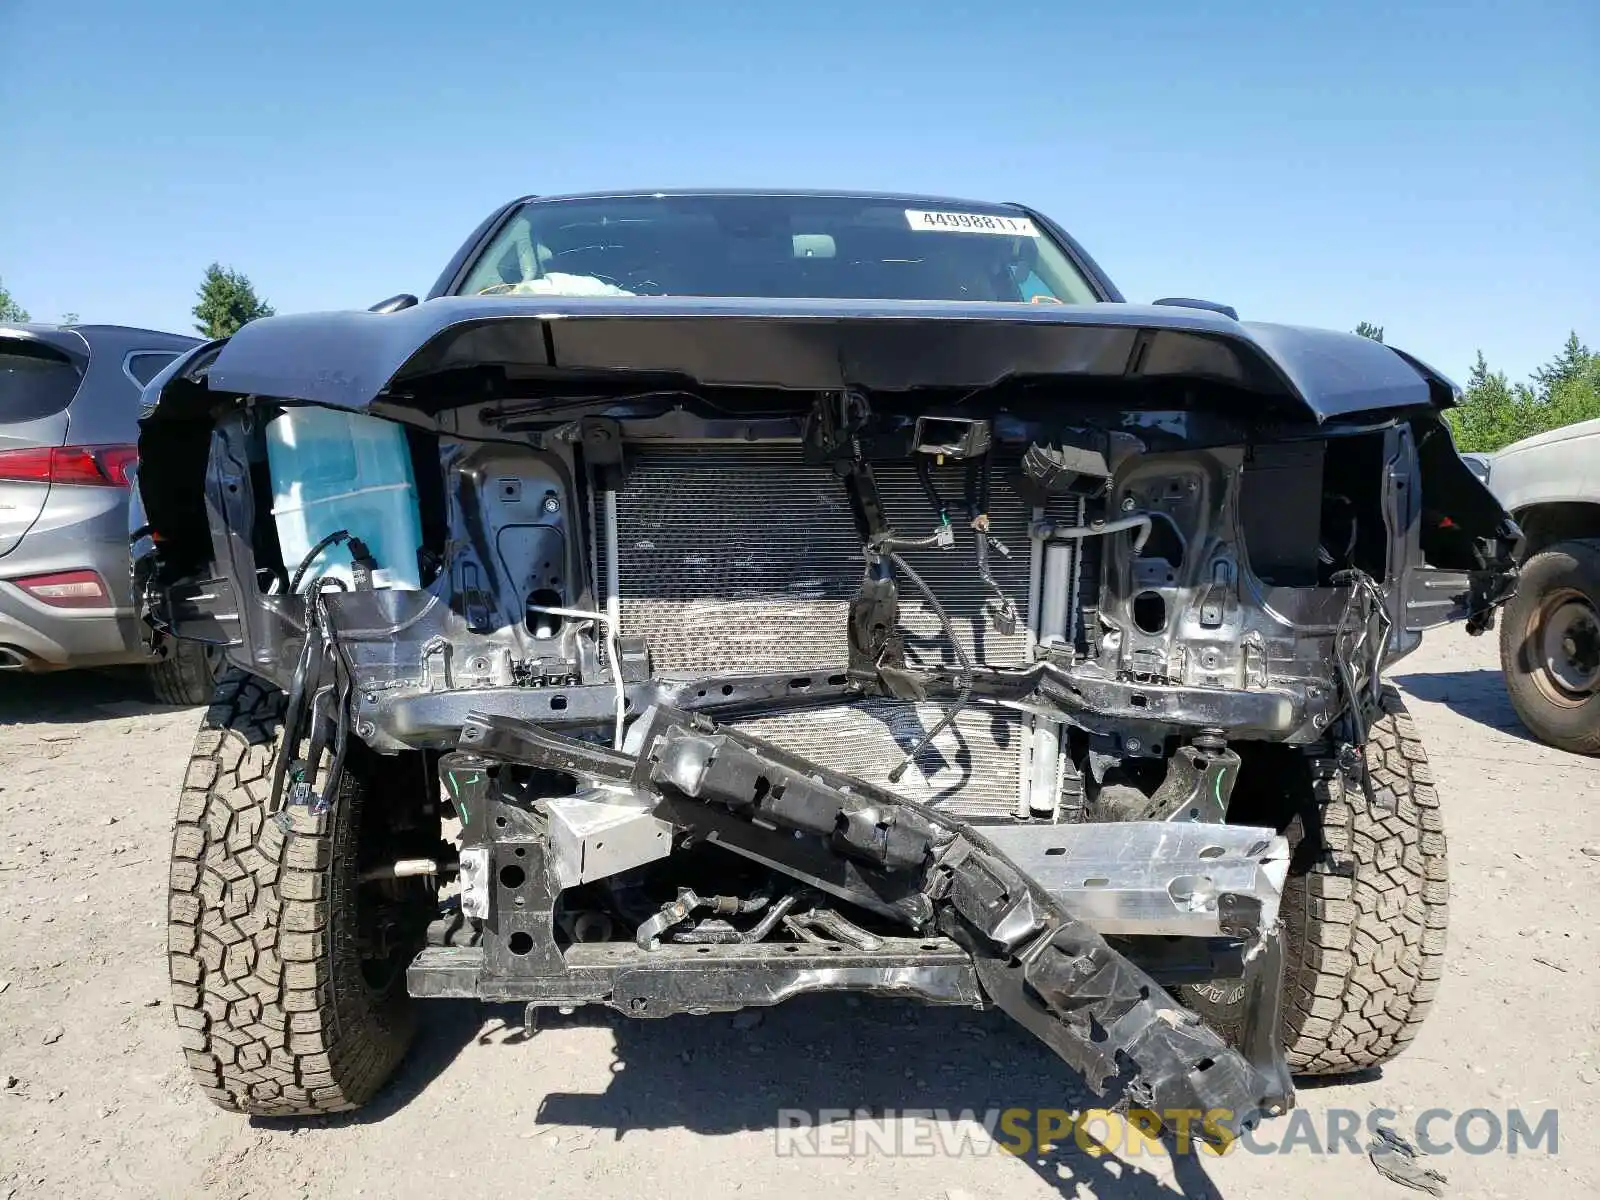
[970, 924]
[762, 651]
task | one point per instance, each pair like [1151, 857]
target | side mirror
[394, 303]
[1226, 310]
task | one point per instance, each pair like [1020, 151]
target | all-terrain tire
[1554, 715]
[186, 674]
[1364, 919]
[276, 1015]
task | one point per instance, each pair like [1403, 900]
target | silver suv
[69, 408]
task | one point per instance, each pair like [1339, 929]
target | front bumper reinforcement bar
[1047, 968]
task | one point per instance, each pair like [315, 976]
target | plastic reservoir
[336, 470]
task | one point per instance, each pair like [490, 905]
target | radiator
[736, 558]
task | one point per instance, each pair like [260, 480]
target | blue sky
[1431, 167]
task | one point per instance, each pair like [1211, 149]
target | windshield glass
[826, 247]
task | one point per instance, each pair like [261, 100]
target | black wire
[338, 535]
[961, 655]
[1359, 582]
[930, 489]
[305, 713]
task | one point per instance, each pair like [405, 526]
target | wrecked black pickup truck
[703, 599]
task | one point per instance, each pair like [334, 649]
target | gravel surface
[93, 1100]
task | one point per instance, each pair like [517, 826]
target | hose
[1046, 530]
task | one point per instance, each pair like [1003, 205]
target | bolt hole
[1212, 852]
[1096, 881]
[1149, 612]
[834, 949]
[727, 689]
[931, 946]
[519, 942]
[703, 950]
[558, 703]
[1054, 851]
[791, 949]
[521, 853]
[500, 822]
[513, 876]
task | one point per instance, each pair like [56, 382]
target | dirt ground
[94, 1100]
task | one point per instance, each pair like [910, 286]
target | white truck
[1550, 631]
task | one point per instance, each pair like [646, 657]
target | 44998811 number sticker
[958, 222]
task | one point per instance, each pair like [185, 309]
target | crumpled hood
[356, 360]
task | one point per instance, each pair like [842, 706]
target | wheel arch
[1548, 522]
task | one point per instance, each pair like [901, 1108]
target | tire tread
[265, 1026]
[1366, 929]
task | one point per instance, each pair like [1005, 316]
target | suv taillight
[67, 589]
[94, 466]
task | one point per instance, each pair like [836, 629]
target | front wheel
[1364, 915]
[288, 971]
[1550, 646]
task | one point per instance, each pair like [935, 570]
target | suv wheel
[186, 673]
[1364, 918]
[288, 972]
[1550, 646]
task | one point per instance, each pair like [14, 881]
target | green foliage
[1368, 330]
[227, 303]
[1575, 397]
[1494, 412]
[70, 318]
[10, 310]
[1567, 366]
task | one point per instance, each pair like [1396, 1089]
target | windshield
[826, 247]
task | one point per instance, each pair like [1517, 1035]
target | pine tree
[1574, 359]
[227, 303]
[1492, 413]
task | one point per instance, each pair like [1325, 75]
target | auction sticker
[958, 222]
